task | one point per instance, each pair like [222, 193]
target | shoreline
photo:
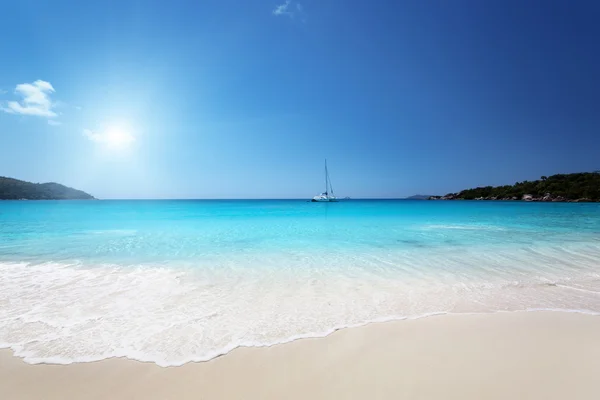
[541, 354]
[298, 337]
[80, 333]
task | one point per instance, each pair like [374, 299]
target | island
[579, 187]
[15, 189]
[420, 197]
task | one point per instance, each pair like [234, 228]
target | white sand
[526, 355]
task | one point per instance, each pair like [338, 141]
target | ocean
[171, 282]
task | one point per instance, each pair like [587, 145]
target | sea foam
[172, 314]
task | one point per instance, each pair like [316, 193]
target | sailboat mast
[326, 179]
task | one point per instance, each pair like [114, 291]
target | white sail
[327, 195]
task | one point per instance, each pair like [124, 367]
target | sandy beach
[522, 355]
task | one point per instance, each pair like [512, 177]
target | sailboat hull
[324, 199]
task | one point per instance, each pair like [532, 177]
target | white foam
[61, 313]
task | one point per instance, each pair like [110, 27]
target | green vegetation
[560, 187]
[14, 189]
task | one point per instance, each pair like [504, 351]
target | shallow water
[178, 281]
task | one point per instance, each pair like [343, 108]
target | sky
[245, 99]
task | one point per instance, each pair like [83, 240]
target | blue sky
[244, 99]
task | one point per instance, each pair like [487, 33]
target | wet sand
[523, 355]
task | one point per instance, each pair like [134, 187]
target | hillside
[419, 197]
[14, 189]
[562, 187]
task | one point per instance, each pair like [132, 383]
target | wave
[140, 357]
[74, 312]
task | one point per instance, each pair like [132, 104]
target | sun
[118, 137]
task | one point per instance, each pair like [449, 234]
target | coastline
[585, 201]
[533, 355]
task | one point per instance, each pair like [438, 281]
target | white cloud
[35, 100]
[289, 8]
[54, 123]
[3, 91]
[282, 9]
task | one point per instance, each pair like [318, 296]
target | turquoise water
[178, 281]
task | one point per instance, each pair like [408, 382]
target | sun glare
[118, 137]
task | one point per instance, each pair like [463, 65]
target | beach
[289, 299]
[516, 355]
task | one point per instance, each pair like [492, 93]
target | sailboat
[328, 194]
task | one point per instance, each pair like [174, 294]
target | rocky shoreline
[548, 197]
[581, 187]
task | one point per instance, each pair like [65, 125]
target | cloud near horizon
[35, 100]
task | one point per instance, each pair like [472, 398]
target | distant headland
[420, 197]
[14, 189]
[580, 187]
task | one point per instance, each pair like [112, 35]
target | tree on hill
[584, 185]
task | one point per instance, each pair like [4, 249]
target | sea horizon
[226, 199]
